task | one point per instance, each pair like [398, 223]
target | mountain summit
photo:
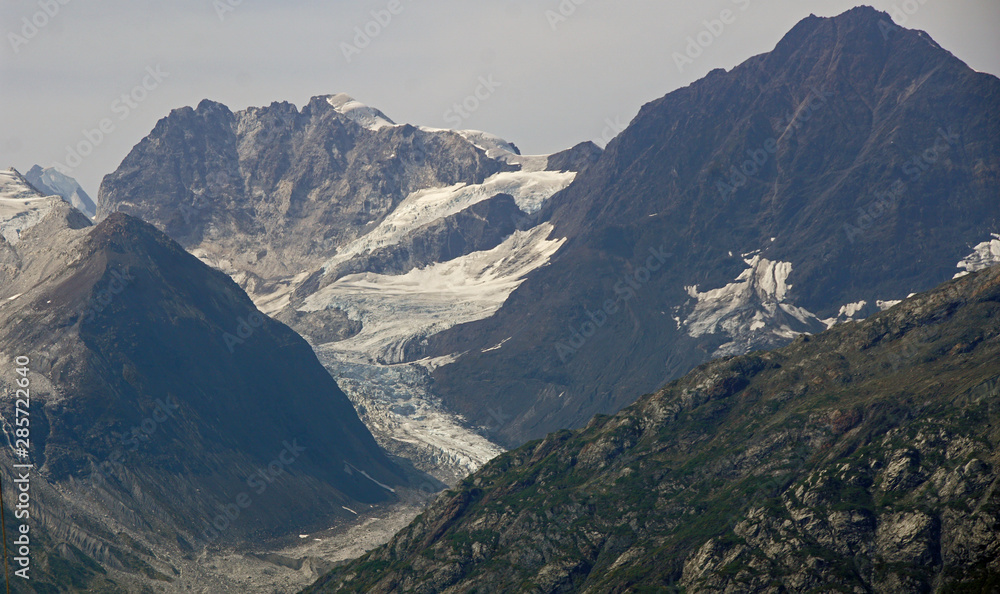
[851, 166]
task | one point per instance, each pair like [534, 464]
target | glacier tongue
[396, 403]
[754, 311]
[397, 310]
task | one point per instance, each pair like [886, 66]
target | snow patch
[849, 310]
[432, 363]
[983, 256]
[369, 117]
[497, 347]
[54, 181]
[21, 206]
[754, 311]
[884, 305]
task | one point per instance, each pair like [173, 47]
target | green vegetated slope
[862, 459]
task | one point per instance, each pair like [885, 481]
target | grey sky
[556, 85]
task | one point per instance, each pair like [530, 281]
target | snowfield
[529, 189]
[395, 310]
[369, 117]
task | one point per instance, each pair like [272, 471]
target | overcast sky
[559, 72]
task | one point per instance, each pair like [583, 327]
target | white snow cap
[369, 117]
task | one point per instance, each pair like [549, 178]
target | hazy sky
[559, 71]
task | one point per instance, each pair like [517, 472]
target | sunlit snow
[529, 189]
[396, 309]
[983, 256]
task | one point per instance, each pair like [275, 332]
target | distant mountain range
[823, 181]
[364, 235]
[374, 309]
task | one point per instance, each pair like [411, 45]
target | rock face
[857, 161]
[577, 158]
[861, 459]
[275, 190]
[168, 414]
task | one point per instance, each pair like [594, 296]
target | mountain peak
[51, 181]
[348, 106]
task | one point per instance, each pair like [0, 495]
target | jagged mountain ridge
[295, 184]
[871, 156]
[160, 392]
[861, 459]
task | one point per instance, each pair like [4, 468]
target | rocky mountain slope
[861, 459]
[851, 166]
[168, 416]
